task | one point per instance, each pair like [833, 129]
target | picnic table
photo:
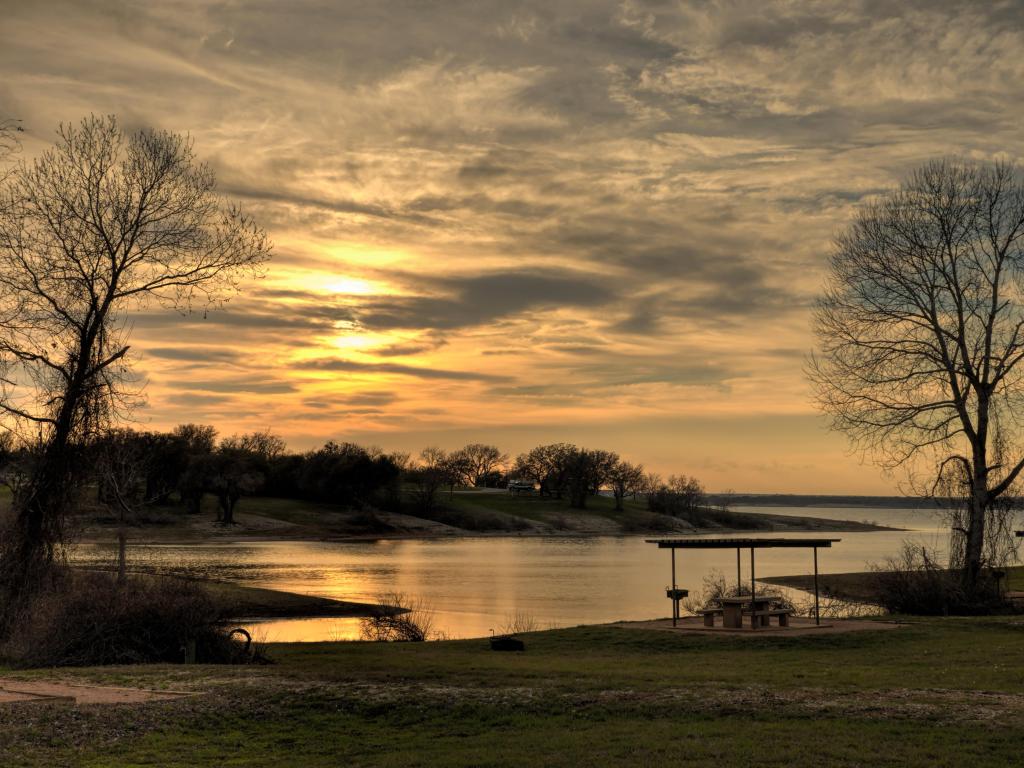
[760, 608]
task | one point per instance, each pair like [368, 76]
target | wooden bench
[763, 617]
[709, 615]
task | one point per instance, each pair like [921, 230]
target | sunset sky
[595, 222]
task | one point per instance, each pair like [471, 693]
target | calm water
[475, 585]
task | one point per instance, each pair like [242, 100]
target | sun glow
[359, 341]
[354, 286]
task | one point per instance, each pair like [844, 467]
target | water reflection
[475, 585]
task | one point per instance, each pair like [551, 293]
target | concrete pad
[798, 626]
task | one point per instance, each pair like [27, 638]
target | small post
[122, 566]
[817, 617]
[675, 603]
[753, 607]
[739, 573]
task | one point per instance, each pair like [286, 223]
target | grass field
[935, 693]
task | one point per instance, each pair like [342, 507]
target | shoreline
[238, 602]
[856, 586]
[461, 515]
[232, 537]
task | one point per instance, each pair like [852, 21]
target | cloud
[352, 366]
[310, 314]
[408, 349]
[303, 201]
[234, 385]
[481, 299]
[195, 354]
[193, 400]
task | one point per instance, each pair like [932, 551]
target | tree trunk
[40, 507]
[38, 526]
[194, 503]
[226, 509]
[975, 545]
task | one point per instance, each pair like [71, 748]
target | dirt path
[58, 691]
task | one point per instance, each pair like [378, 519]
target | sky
[528, 222]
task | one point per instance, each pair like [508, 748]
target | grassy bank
[936, 693]
[457, 514]
[238, 601]
[859, 587]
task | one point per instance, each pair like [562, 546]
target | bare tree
[548, 466]
[480, 461]
[265, 445]
[434, 471]
[921, 332]
[9, 144]
[626, 480]
[229, 474]
[120, 465]
[103, 223]
[602, 464]
[651, 483]
[196, 438]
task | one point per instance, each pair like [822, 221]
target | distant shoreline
[825, 500]
[458, 515]
[238, 535]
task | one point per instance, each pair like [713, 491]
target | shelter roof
[766, 543]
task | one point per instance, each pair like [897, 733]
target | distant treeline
[131, 470]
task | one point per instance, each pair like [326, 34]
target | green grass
[935, 693]
[570, 737]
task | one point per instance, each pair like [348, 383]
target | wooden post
[122, 566]
[739, 572]
[817, 616]
[675, 603]
[753, 608]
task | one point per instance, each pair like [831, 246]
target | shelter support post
[753, 607]
[675, 602]
[817, 615]
[739, 572]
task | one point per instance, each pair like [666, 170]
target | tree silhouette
[103, 223]
[921, 335]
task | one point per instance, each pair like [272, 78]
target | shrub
[401, 620]
[518, 622]
[913, 582]
[88, 618]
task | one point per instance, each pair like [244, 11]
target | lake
[474, 585]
